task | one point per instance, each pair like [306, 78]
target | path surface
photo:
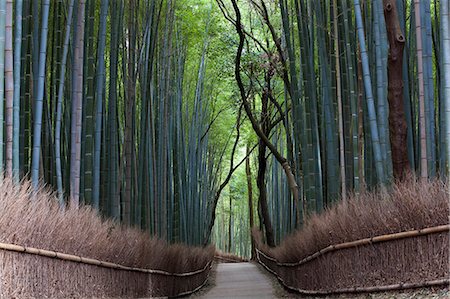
[240, 280]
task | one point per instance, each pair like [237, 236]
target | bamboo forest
[160, 148]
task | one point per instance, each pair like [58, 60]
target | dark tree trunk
[397, 120]
[262, 167]
[248, 172]
[230, 226]
[261, 182]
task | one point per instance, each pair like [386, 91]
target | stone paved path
[240, 280]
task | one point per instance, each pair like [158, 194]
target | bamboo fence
[353, 245]
[183, 277]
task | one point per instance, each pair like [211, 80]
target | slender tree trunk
[39, 95]
[374, 132]
[230, 226]
[77, 106]
[397, 120]
[16, 101]
[2, 76]
[360, 124]
[248, 172]
[99, 86]
[129, 108]
[262, 198]
[445, 50]
[422, 118]
[59, 105]
[339, 101]
[262, 167]
[9, 84]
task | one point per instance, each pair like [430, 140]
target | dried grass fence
[86, 256]
[368, 244]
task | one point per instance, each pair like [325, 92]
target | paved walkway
[240, 280]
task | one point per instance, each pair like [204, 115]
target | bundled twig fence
[81, 255]
[389, 262]
[57, 274]
[376, 241]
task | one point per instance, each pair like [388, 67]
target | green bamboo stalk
[422, 115]
[113, 193]
[99, 85]
[381, 95]
[88, 106]
[77, 108]
[369, 97]
[428, 86]
[339, 101]
[130, 99]
[9, 86]
[2, 75]
[40, 96]
[59, 107]
[27, 93]
[16, 100]
[352, 82]
[445, 52]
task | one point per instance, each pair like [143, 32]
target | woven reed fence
[397, 261]
[27, 272]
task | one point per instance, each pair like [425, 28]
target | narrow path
[240, 280]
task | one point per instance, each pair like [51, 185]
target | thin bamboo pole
[369, 97]
[339, 101]
[40, 96]
[77, 106]
[59, 105]
[422, 117]
[9, 86]
[99, 93]
[445, 29]
[2, 74]
[16, 99]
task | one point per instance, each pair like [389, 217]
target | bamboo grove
[163, 113]
[94, 105]
[352, 95]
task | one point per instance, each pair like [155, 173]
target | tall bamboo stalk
[100, 83]
[369, 97]
[445, 34]
[339, 101]
[16, 101]
[2, 76]
[77, 106]
[40, 96]
[422, 116]
[59, 107]
[9, 86]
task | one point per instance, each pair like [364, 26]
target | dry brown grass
[410, 205]
[36, 220]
